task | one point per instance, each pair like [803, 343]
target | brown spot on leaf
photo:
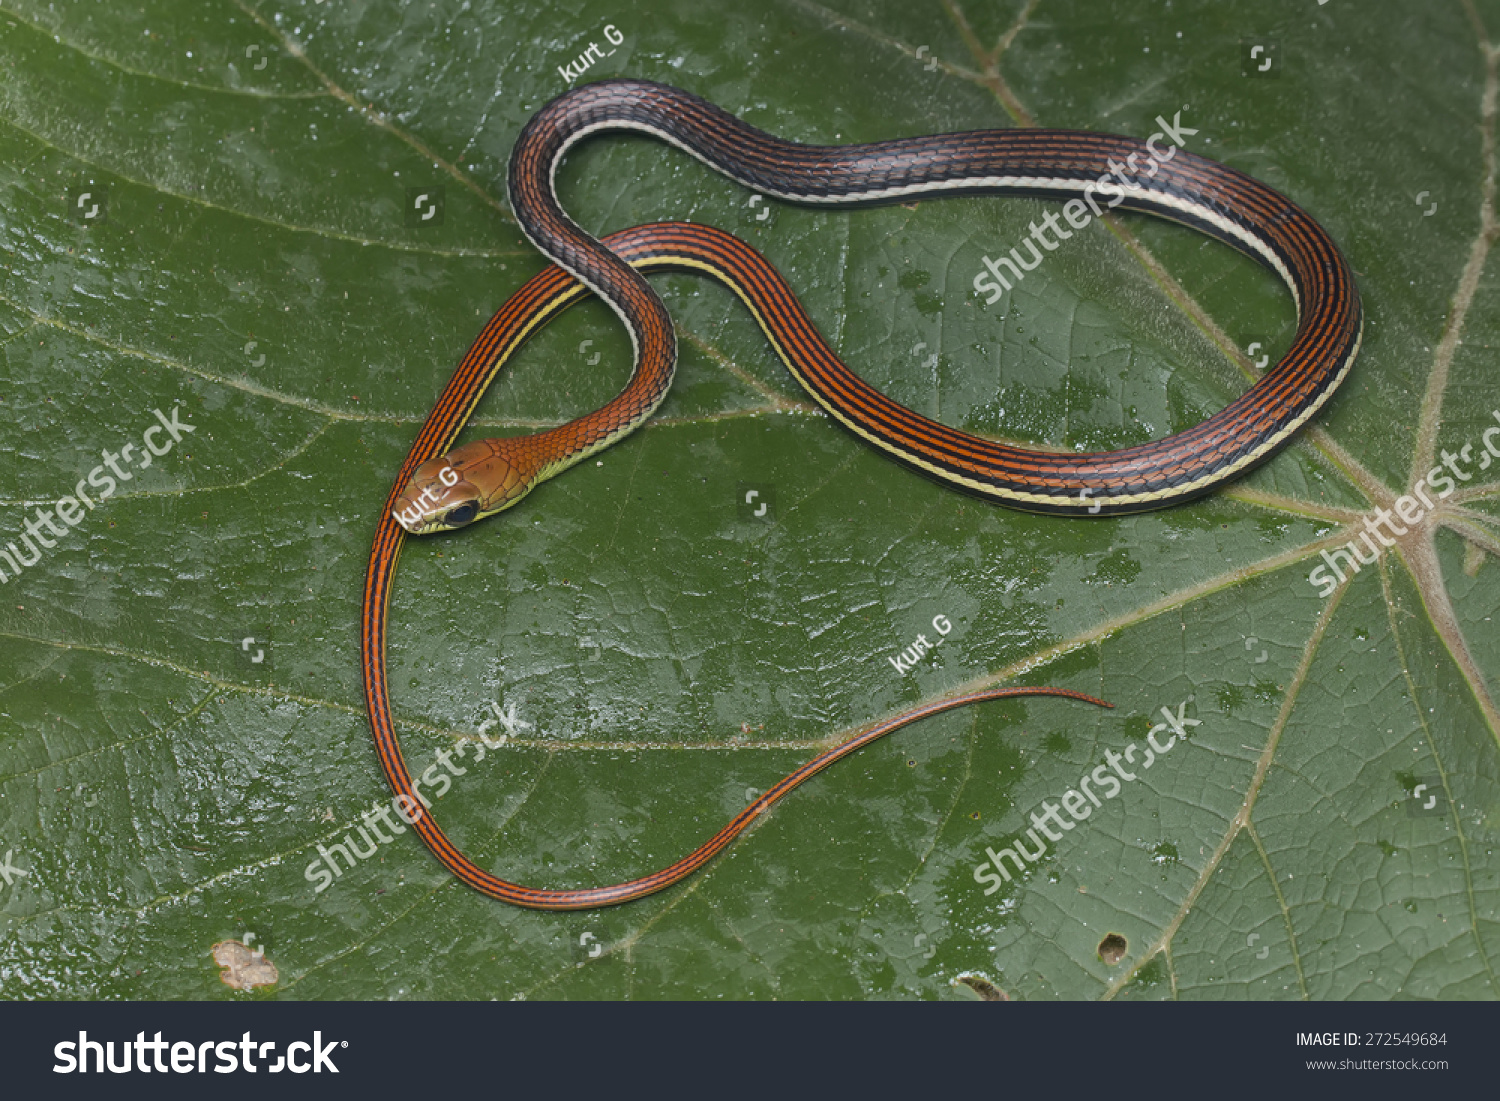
[1112, 948]
[243, 968]
[987, 991]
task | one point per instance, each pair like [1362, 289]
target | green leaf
[252, 266]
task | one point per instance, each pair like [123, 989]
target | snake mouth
[424, 508]
[419, 517]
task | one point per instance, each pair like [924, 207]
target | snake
[443, 488]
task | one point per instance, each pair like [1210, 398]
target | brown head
[472, 481]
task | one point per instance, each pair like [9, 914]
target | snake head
[470, 482]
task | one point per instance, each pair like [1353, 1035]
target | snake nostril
[407, 513]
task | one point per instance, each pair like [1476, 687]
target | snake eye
[458, 517]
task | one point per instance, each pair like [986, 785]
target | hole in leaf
[1112, 948]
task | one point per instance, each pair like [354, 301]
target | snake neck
[533, 166]
[557, 449]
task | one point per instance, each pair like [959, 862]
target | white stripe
[1050, 183]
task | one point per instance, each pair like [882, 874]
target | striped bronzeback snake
[439, 491]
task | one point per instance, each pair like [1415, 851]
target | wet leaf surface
[183, 749]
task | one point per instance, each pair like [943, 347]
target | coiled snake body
[439, 490]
